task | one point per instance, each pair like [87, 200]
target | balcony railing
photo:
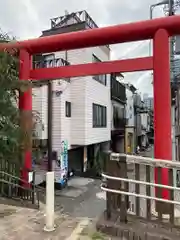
[73, 19]
[118, 91]
[80, 16]
[55, 62]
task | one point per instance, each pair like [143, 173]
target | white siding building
[81, 106]
[130, 108]
[130, 125]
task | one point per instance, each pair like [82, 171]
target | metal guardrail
[13, 187]
[133, 159]
[130, 188]
[138, 195]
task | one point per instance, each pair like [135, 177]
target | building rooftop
[70, 22]
[73, 18]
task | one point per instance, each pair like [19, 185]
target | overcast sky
[27, 18]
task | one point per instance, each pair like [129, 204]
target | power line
[133, 48]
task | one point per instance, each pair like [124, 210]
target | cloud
[27, 18]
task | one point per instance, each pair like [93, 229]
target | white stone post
[49, 218]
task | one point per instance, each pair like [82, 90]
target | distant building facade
[148, 102]
[130, 124]
[118, 114]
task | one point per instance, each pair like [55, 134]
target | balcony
[41, 61]
[118, 91]
[118, 119]
[47, 63]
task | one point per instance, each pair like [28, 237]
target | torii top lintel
[101, 36]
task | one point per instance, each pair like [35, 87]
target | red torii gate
[157, 29]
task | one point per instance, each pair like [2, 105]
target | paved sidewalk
[74, 206]
[26, 224]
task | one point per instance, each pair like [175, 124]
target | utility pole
[171, 13]
[50, 116]
[171, 7]
[152, 7]
[172, 78]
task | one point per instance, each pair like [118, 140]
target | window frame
[99, 116]
[99, 78]
[68, 109]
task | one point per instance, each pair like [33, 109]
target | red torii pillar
[162, 105]
[25, 107]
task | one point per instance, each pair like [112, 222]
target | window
[100, 78]
[68, 109]
[99, 116]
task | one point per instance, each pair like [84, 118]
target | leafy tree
[11, 134]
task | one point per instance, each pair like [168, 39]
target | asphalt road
[80, 199]
[84, 199]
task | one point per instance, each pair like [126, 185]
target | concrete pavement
[24, 224]
[74, 206]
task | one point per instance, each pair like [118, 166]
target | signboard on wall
[60, 166]
[64, 160]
